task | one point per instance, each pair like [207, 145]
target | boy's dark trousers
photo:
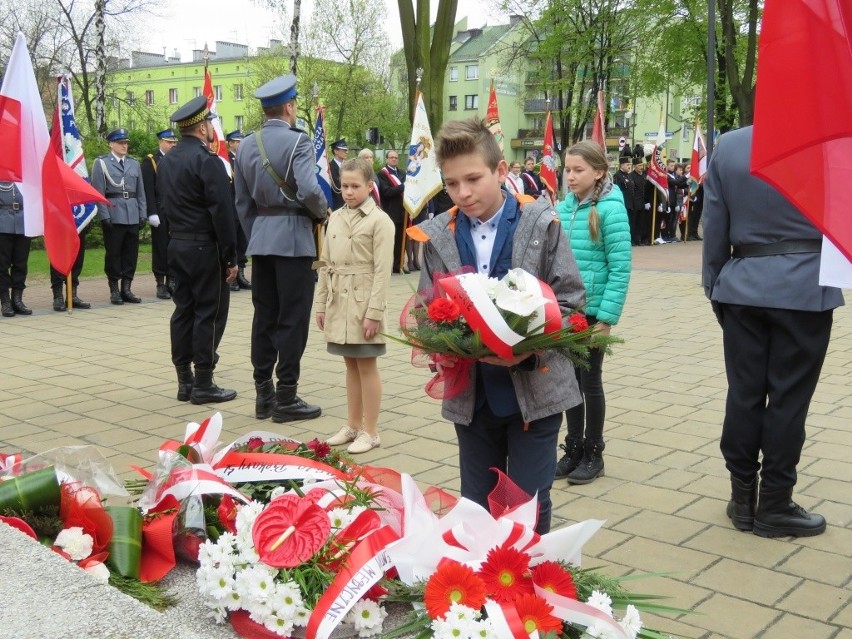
[486, 443]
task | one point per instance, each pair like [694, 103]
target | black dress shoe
[163, 292]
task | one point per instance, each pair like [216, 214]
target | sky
[180, 27]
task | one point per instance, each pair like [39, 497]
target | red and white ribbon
[578, 612]
[391, 177]
[10, 464]
[199, 479]
[237, 468]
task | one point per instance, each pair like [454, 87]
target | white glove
[647, 206]
[659, 208]
[677, 209]
[154, 220]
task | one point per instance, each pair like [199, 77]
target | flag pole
[419, 77]
[318, 227]
[69, 293]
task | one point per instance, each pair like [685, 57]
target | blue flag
[72, 148]
[323, 176]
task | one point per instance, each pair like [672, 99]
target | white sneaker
[343, 436]
[363, 443]
[659, 240]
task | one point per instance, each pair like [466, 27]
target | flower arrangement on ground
[288, 563]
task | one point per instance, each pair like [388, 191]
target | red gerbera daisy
[535, 615]
[453, 583]
[506, 574]
[551, 576]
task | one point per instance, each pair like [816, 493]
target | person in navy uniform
[279, 200]
[233, 139]
[339, 151]
[118, 177]
[194, 188]
[14, 251]
[159, 225]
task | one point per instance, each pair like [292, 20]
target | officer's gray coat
[739, 209]
[129, 209]
[11, 219]
[275, 224]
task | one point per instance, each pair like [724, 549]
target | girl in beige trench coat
[350, 300]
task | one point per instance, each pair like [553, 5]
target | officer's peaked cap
[118, 135]
[234, 135]
[167, 134]
[340, 144]
[278, 91]
[192, 113]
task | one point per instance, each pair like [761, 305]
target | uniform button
[535, 243]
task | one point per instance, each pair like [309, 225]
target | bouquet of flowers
[302, 560]
[469, 316]
[479, 575]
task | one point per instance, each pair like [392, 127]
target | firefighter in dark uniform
[279, 200]
[339, 151]
[233, 139]
[159, 224]
[118, 177]
[194, 188]
[14, 251]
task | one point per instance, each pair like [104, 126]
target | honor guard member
[339, 151]
[159, 224]
[279, 200]
[195, 189]
[233, 139]
[118, 177]
[14, 251]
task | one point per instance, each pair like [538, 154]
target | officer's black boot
[265, 401]
[126, 294]
[591, 466]
[777, 515]
[185, 382]
[18, 303]
[204, 391]
[77, 302]
[242, 282]
[743, 501]
[6, 304]
[58, 299]
[114, 293]
[573, 448]
[162, 289]
[289, 407]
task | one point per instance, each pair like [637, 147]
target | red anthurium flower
[535, 615]
[443, 310]
[227, 512]
[453, 583]
[550, 576]
[506, 574]
[578, 322]
[290, 531]
[80, 505]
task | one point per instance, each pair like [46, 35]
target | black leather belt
[11, 207]
[196, 237]
[783, 247]
[122, 195]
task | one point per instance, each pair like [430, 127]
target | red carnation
[443, 310]
[321, 449]
[254, 443]
[578, 322]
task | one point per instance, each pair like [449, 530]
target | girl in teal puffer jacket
[595, 218]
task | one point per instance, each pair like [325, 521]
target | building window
[471, 102]
[173, 96]
[131, 99]
[471, 72]
[454, 74]
[217, 93]
[149, 97]
[196, 91]
[686, 134]
[238, 122]
[238, 92]
[454, 103]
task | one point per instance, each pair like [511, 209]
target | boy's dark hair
[464, 137]
[360, 166]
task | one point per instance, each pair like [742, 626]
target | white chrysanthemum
[219, 614]
[246, 514]
[462, 613]
[75, 542]
[367, 617]
[600, 631]
[279, 625]
[339, 518]
[255, 583]
[301, 616]
[631, 622]
[484, 629]
[277, 492]
[234, 601]
[246, 552]
[601, 601]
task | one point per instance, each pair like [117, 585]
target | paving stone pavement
[104, 377]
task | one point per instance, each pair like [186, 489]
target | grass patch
[93, 265]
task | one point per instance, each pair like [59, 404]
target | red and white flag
[547, 174]
[698, 161]
[656, 173]
[492, 117]
[599, 125]
[49, 186]
[219, 145]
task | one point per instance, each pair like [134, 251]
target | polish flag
[219, 145]
[48, 185]
[598, 127]
[547, 174]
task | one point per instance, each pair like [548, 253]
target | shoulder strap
[286, 189]
[153, 161]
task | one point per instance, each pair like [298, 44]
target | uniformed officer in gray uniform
[119, 177]
[14, 251]
[278, 205]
